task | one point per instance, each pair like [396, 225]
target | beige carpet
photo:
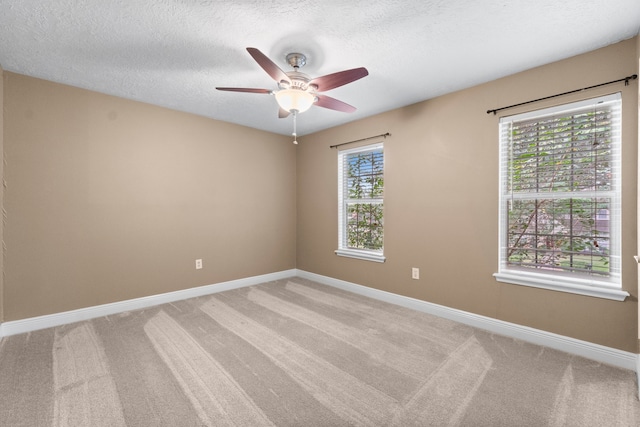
[297, 353]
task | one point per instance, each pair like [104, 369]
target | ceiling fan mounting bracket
[296, 60]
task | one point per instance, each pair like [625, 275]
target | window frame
[343, 249]
[603, 287]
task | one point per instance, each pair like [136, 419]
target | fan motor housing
[298, 81]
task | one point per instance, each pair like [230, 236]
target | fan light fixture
[298, 92]
[294, 100]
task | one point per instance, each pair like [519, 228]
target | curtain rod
[362, 139]
[625, 80]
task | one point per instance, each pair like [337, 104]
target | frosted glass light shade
[294, 99]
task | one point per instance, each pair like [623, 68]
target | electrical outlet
[198, 264]
[415, 273]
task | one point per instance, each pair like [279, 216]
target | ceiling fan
[297, 92]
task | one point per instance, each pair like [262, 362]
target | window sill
[587, 287]
[364, 255]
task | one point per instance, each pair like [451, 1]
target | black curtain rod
[625, 80]
[363, 139]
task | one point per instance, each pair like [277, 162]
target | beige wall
[109, 199]
[638, 193]
[441, 201]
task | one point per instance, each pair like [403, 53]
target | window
[560, 198]
[360, 195]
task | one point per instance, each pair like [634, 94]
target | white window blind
[560, 209]
[361, 194]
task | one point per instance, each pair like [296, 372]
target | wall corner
[2, 219]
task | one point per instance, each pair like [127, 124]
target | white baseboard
[600, 353]
[585, 349]
[638, 372]
[51, 320]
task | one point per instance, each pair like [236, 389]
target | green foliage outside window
[559, 204]
[364, 207]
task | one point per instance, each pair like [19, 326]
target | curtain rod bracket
[626, 80]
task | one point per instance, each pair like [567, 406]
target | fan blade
[244, 89]
[331, 81]
[268, 65]
[333, 104]
[282, 113]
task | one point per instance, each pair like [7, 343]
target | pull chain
[295, 134]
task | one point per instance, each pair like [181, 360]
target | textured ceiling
[173, 53]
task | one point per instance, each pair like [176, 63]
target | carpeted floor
[297, 353]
